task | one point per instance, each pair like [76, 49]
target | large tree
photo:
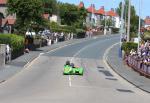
[68, 13]
[71, 15]
[50, 6]
[28, 13]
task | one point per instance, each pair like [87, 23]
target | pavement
[116, 63]
[113, 59]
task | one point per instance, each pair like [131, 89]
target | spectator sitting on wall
[26, 46]
[8, 53]
[132, 52]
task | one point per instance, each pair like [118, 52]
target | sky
[145, 9]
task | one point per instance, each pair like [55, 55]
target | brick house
[95, 17]
[6, 21]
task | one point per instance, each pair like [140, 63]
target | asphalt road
[43, 82]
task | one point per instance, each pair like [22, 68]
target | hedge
[115, 30]
[80, 33]
[128, 46]
[61, 28]
[16, 42]
[146, 36]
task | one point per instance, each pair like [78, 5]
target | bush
[115, 30]
[133, 35]
[63, 28]
[16, 43]
[80, 33]
[146, 36]
[128, 46]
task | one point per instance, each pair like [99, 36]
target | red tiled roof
[147, 21]
[111, 13]
[101, 11]
[81, 4]
[46, 16]
[3, 1]
[91, 9]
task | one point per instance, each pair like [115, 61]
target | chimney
[112, 9]
[93, 6]
[102, 7]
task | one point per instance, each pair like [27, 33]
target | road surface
[43, 80]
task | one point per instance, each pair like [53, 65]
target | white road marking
[76, 54]
[70, 81]
[121, 79]
[41, 53]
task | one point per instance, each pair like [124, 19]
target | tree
[108, 21]
[134, 16]
[68, 13]
[28, 12]
[71, 15]
[50, 6]
[82, 14]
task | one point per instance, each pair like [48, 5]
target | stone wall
[2, 54]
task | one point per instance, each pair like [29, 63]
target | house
[95, 17]
[114, 17]
[6, 21]
[52, 18]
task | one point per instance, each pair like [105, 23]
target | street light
[105, 24]
[129, 15]
[139, 29]
[122, 23]
[105, 30]
[121, 28]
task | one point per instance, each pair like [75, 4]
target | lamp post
[92, 15]
[121, 28]
[139, 29]
[105, 30]
[122, 22]
[129, 15]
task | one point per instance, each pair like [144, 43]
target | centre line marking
[69, 81]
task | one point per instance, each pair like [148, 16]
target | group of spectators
[143, 54]
[89, 33]
[48, 38]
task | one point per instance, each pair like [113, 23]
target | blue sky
[114, 3]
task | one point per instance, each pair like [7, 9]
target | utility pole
[129, 15]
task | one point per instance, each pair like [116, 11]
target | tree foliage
[134, 16]
[50, 6]
[27, 11]
[71, 15]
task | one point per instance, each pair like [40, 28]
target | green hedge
[146, 36]
[128, 46]
[61, 28]
[80, 33]
[115, 30]
[16, 43]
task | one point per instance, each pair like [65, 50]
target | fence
[138, 65]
